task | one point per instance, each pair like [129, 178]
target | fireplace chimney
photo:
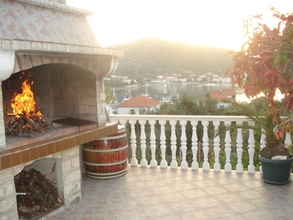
[48, 35]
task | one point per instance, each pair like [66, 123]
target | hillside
[152, 57]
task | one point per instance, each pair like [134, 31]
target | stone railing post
[133, 161]
[143, 161]
[251, 141]
[174, 163]
[183, 148]
[153, 162]
[228, 166]
[217, 166]
[205, 140]
[163, 163]
[194, 147]
[239, 150]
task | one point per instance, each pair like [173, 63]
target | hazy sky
[209, 22]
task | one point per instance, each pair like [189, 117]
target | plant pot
[276, 172]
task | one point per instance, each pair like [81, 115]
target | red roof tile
[139, 101]
[223, 95]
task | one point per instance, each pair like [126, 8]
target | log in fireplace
[55, 43]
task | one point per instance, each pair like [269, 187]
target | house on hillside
[224, 96]
[137, 105]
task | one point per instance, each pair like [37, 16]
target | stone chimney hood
[49, 32]
[27, 31]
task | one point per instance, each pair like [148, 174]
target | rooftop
[140, 101]
[156, 193]
[223, 95]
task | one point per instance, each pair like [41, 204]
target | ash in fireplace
[37, 195]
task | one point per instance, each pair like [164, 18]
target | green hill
[151, 57]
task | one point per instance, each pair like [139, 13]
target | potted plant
[264, 66]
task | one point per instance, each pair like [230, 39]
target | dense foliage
[187, 105]
[264, 66]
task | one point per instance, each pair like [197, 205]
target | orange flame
[24, 103]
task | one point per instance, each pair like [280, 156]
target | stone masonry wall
[71, 182]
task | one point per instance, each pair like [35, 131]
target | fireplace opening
[59, 91]
[38, 188]
[25, 118]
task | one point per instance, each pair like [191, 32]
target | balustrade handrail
[197, 144]
[116, 118]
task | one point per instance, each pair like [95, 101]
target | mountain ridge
[153, 56]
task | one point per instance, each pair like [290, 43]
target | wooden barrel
[107, 157]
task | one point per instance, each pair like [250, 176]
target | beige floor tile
[157, 210]
[159, 194]
[219, 212]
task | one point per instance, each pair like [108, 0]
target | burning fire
[26, 118]
[24, 103]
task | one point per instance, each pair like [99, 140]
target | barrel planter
[107, 157]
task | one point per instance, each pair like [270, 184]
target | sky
[206, 22]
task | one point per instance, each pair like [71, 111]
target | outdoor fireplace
[54, 43]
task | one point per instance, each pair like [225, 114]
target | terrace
[204, 188]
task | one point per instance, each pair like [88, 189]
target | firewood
[34, 125]
[39, 190]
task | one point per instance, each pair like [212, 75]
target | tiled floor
[155, 193]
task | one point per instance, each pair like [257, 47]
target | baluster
[262, 139]
[174, 163]
[183, 147]
[228, 166]
[288, 140]
[163, 163]
[194, 148]
[205, 139]
[262, 144]
[133, 143]
[154, 162]
[217, 166]
[251, 142]
[239, 150]
[143, 161]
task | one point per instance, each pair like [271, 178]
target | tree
[264, 65]
[187, 105]
[110, 98]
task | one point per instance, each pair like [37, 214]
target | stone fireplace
[54, 42]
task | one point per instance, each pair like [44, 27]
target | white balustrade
[228, 166]
[134, 161]
[230, 148]
[217, 166]
[163, 163]
[143, 161]
[194, 147]
[174, 163]
[251, 151]
[153, 143]
[288, 140]
[205, 149]
[239, 150]
[183, 147]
